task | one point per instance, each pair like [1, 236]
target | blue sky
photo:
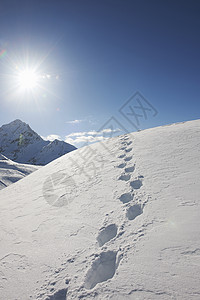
[92, 57]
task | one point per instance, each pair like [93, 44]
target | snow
[102, 222]
[21, 144]
[11, 172]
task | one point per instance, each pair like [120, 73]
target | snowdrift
[11, 171]
[115, 220]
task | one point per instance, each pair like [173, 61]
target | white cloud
[94, 133]
[74, 122]
[90, 136]
[51, 137]
[77, 134]
[85, 139]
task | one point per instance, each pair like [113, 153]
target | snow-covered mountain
[11, 172]
[116, 220]
[21, 144]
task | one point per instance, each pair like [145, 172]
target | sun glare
[28, 79]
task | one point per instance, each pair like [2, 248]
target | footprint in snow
[129, 169]
[123, 165]
[101, 270]
[122, 156]
[123, 148]
[125, 177]
[59, 295]
[128, 158]
[128, 150]
[134, 211]
[136, 184]
[125, 198]
[106, 234]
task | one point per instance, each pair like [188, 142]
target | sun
[27, 79]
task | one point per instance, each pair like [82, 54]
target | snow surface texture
[21, 144]
[11, 172]
[106, 223]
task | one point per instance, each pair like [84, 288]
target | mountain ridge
[21, 144]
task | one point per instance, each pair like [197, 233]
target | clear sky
[91, 56]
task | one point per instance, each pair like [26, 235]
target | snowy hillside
[20, 143]
[116, 220]
[11, 172]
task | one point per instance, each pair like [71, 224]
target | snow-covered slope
[20, 143]
[11, 172]
[116, 220]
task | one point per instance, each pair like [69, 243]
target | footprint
[136, 184]
[134, 211]
[128, 150]
[122, 156]
[122, 165]
[101, 270]
[125, 198]
[59, 295]
[125, 177]
[128, 158]
[129, 169]
[123, 148]
[107, 234]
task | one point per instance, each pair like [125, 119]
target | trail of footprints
[105, 264]
[104, 267]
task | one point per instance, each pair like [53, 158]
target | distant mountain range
[21, 144]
